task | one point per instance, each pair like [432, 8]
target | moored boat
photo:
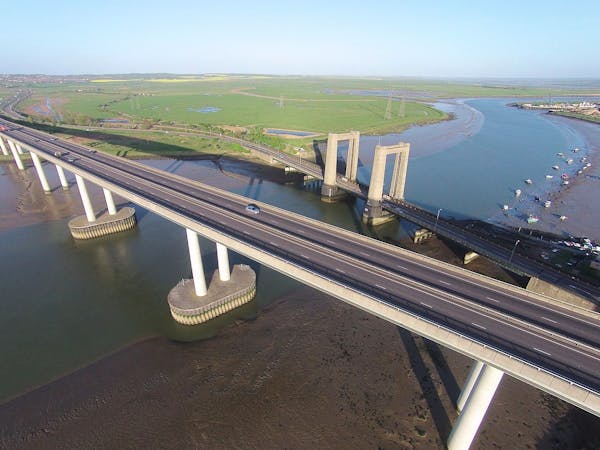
[517, 192]
[547, 204]
[532, 219]
[549, 177]
[555, 167]
[528, 181]
[563, 217]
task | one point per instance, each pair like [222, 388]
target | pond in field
[205, 109]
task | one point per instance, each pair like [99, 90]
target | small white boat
[570, 161]
[517, 192]
[564, 176]
[555, 167]
[528, 181]
[561, 154]
[549, 177]
[505, 207]
[563, 217]
[565, 182]
[547, 204]
[575, 150]
[532, 219]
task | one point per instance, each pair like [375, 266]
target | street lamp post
[513, 251]
[437, 217]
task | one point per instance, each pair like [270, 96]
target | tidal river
[66, 303]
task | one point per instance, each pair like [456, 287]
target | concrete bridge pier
[40, 172]
[373, 213]
[15, 154]
[468, 387]
[85, 199]
[196, 262]
[330, 193]
[62, 177]
[475, 407]
[3, 146]
[19, 148]
[90, 226]
[195, 303]
[110, 203]
[223, 260]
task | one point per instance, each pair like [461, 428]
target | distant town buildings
[587, 108]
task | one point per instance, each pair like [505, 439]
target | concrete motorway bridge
[505, 329]
[502, 256]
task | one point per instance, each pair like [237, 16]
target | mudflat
[308, 372]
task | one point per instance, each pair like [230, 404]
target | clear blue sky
[453, 38]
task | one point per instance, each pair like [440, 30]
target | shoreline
[574, 200]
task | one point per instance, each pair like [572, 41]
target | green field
[315, 104]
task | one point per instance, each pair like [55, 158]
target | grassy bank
[593, 119]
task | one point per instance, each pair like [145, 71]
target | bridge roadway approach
[548, 345]
[503, 256]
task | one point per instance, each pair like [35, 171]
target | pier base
[374, 214]
[332, 194]
[189, 309]
[422, 235]
[123, 220]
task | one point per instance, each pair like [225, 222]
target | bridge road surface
[557, 340]
[501, 255]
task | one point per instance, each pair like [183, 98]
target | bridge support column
[40, 171]
[329, 190]
[62, 177]
[85, 199]
[353, 151]
[15, 154]
[223, 259]
[468, 387]
[476, 406]
[89, 227]
[110, 203]
[374, 213]
[226, 291]
[3, 146]
[19, 149]
[196, 261]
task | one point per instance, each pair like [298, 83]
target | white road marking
[426, 305]
[401, 267]
[549, 320]
[273, 244]
[381, 287]
[364, 254]
[329, 241]
[304, 256]
[478, 326]
[493, 299]
[541, 351]
[445, 282]
[339, 270]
